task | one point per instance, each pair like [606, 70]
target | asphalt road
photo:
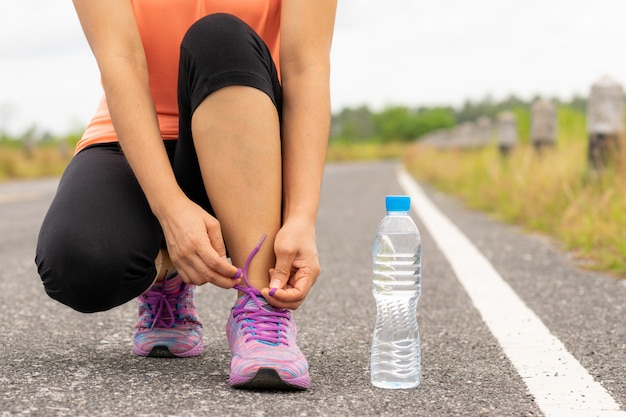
[57, 362]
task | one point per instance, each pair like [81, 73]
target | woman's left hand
[297, 265]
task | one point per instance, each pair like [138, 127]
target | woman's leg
[230, 119]
[99, 240]
[229, 160]
[237, 138]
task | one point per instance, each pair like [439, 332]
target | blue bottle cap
[398, 203]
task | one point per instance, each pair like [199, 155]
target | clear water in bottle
[397, 252]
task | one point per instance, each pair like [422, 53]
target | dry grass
[365, 151]
[554, 193]
[40, 162]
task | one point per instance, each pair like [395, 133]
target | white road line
[559, 383]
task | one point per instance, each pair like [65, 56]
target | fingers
[196, 245]
[197, 271]
[200, 254]
[216, 238]
[279, 283]
[296, 269]
[280, 274]
[204, 265]
[295, 291]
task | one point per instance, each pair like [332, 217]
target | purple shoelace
[263, 325]
[165, 307]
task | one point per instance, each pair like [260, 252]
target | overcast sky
[385, 52]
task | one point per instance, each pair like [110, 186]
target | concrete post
[605, 122]
[507, 132]
[543, 124]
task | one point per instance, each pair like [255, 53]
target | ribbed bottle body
[396, 254]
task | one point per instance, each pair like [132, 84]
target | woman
[210, 138]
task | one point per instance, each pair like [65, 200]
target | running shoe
[168, 324]
[262, 341]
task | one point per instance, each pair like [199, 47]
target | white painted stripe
[559, 383]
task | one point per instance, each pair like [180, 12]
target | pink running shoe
[168, 324]
[262, 340]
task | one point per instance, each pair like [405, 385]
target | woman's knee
[217, 30]
[98, 241]
[90, 278]
[221, 43]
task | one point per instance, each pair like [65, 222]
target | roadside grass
[41, 161]
[342, 151]
[553, 192]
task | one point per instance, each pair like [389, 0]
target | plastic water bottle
[397, 271]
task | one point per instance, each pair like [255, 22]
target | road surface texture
[57, 362]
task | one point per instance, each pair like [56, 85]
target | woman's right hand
[195, 245]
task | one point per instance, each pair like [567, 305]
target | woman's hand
[196, 246]
[297, 265]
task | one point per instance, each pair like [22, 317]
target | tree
[402, 124]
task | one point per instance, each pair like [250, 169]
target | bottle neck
[397, 213]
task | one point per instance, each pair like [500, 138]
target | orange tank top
[162, 25]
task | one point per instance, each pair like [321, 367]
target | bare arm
[306, 36]
[112, 33]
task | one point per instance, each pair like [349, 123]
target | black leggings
[99, 239]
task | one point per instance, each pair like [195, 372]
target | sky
[385, 52]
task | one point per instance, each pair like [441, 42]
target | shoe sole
[165, 352]
[160, 352]
[267, 379]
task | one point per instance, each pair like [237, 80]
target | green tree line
[404, 124]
